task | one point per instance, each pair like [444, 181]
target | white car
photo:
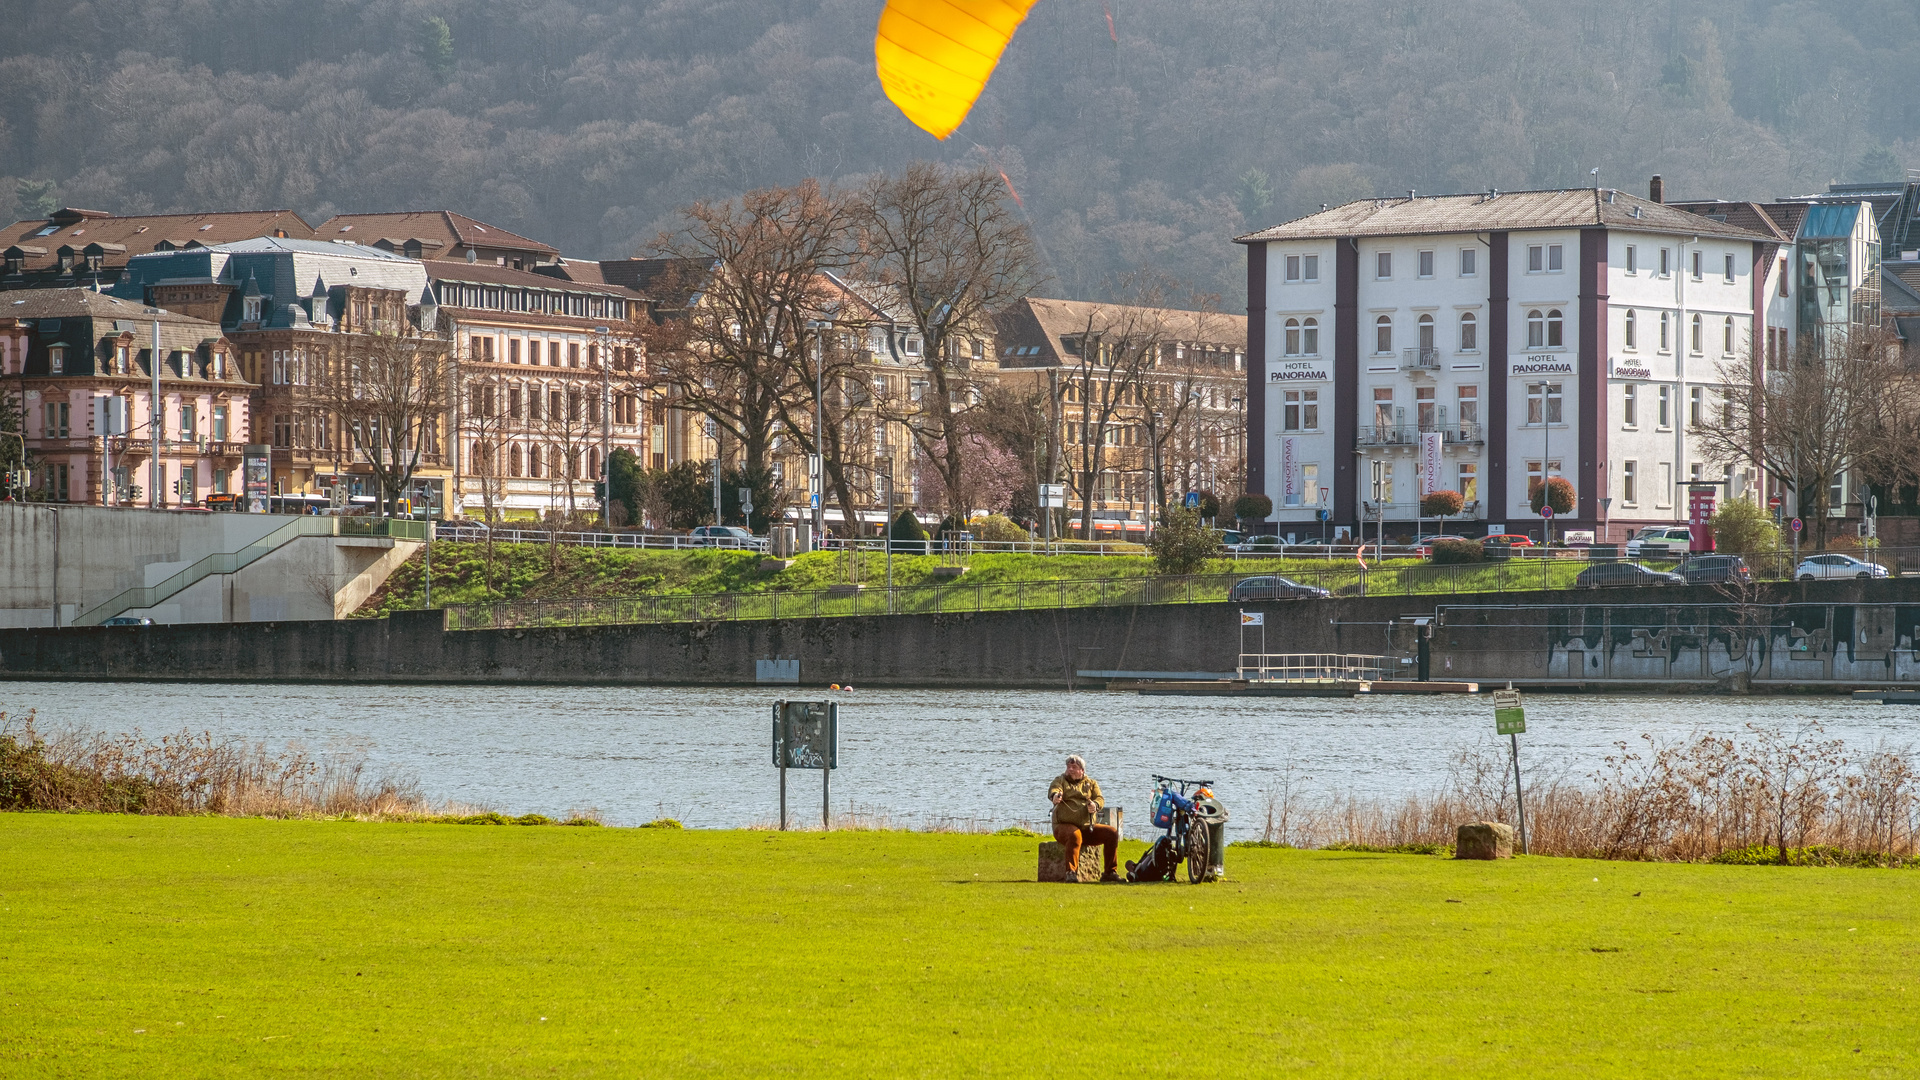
[1833, 565]
[1676, 537]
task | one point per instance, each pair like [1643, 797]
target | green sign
[1509, 718]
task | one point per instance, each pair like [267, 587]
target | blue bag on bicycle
[1163, 807]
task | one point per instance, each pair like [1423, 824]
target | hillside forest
[1135, 134]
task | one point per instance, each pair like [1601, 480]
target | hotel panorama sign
[1537, 364]
[1292, 371]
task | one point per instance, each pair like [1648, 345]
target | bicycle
[1185, 817]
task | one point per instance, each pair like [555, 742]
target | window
[1426, 264]
[1783, 277]
[1632, 260]
[1699, 258]
[1468, 260]
[1536, 329]
[1293, 268]
[1310, 483]
[189, 423]
[1631, 332]
[1543, 404]
[1383, 265]
[1535, 476]
[1469, 333]
[1467, 403]
[1470, 481]
[1310, 338]
[1729, 268]
[1666, 262]
[120, 356]
[251, 312]
[1553, 329]
[59, 416]
[1312, 267]
[219, 423]
[911, 345]
[1424, 329]
[1555, 259]
[1292, 338]
[1630, 406]
[1302, 410]
[1383, 407]
[573, 354]
[1630, 482]
[1666, 407]
[1695, 340]
[56, 359]
[513, 350]
[1696, 472]
[1726, 337]
[1383, 334]
[1666, 338]
[1696, 406]
[1424, 412]
[1536, 259]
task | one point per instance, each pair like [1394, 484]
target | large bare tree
[950, 248]
[1852, 407]
[391, 393]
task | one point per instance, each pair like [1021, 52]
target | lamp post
[606, 426]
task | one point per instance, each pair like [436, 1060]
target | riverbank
[220, 947]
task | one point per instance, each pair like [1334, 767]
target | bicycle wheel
[1198, 856]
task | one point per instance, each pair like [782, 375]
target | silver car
[1834, 565]
[1676, 537]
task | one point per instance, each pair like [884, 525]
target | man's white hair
[1076, 759]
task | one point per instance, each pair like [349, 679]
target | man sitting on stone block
[1076, 801]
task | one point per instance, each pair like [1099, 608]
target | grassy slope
[253, 948]
[522, 572]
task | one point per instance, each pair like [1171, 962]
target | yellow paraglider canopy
[934, 56]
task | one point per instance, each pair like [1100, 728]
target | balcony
[1420, 361]
[1408, 435]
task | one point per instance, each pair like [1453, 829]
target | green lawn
[246, 948]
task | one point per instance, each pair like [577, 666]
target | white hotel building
[1476, 343]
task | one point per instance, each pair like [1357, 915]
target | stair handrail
[222, 562]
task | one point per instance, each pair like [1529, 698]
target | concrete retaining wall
[1473, 639]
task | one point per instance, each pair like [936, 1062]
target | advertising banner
[1289, 473]
[256, 475]
[1699, 509]
[1432, 465]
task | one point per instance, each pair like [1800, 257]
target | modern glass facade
[1837, 256]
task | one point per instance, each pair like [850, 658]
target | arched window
[1726, 337]
[1310, 338]
[1469, 333]
[534, 463]
[1554, 339]
[1632, 330]
[1696, 339]
[1666, 341]
[1383, 334]
[1536, 329]
[513, 460]
[1293, 337]
[1425, 331]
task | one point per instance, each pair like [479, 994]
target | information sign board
[806, 734]
[1509, 717]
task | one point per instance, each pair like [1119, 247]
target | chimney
[1657, 189]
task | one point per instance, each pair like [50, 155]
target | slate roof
[1567, 208]
[651, 278]
[83, 318]
[285, 271]
[480, 273]
[440, 231]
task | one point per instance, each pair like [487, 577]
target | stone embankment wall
[1824, 633]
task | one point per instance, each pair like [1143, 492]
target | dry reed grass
[189, 773]
[1700, 799]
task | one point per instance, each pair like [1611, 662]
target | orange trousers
[1072, 837]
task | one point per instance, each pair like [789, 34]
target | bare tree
[392, 393]
[732, 353]
[949, 245]
[486, 428]
[1822, 413]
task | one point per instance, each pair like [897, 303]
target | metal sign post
[1796, 546]
[1510, 719]
[806, 735]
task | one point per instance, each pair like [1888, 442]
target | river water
[912, 756]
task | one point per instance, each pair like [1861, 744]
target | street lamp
[606, 426]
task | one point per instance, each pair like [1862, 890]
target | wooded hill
[587, 122]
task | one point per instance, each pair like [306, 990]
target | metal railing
[1421, 359]
[1311, 667]
[680, 542]
[1409, 434]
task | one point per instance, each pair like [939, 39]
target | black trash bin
[1211, 814]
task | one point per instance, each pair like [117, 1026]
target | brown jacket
[1079, 800]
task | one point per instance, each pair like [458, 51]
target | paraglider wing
[934, 56]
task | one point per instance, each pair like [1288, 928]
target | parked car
[1660, 534]
[727, 536]
[1269, 587]
[1232, 538]
[1611, 575]
[1835, 565]
[1258, 545]
[1511, 539]
[128, 620]
[1714, 570]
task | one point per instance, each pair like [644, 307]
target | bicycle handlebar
[1177, 780]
